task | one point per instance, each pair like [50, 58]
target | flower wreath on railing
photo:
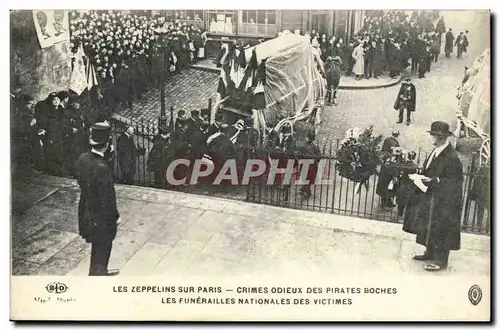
[359, 154]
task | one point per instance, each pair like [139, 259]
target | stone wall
[35, 70]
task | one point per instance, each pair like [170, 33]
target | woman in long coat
[358, 55]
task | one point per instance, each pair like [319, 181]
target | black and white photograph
[242, 143]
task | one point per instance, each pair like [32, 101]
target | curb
[341, 87]
[371, 87]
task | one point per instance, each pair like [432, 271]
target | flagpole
[89, 105]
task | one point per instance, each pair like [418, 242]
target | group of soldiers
[127, 52]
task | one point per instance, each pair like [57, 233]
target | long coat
[448, 47]
[408, 92]
[358, 57]
[127, 153]
[446, 196]
[97, 210]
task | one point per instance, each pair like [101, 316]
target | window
[189, 15]
[222, 21]
[258, 23]
[259, 17]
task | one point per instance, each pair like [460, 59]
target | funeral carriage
[277, 83]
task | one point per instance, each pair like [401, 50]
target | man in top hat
[98, 216]
[406, 99]
[434, 211]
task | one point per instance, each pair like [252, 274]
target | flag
[78, 82]
[91, 77]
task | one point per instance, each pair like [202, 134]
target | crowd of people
[127, 49]
[391, 41]
[48, 135]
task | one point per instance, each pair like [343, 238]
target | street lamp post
[162, 32]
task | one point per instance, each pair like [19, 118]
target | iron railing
[341, 196]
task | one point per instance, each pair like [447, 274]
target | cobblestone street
[187, 90]
[436, 93]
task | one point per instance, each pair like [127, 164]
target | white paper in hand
[417, 180]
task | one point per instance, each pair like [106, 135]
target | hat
[395, 133]
[219, 117]
[337, 59]
[439, 128]
[100, 133]
[62, 95]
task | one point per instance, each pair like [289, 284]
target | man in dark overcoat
[98, 216]
[434, 215]
[386, 175]
[127, 156]
[448, 46]
[406, 99]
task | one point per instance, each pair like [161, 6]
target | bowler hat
[100, 133]
[439, 128]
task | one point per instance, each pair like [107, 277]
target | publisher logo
[475, 295]
[56, 288]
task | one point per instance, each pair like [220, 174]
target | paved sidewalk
[172, 233]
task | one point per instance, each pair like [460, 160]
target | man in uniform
[406, 99]
[98, 216]
[434, 211]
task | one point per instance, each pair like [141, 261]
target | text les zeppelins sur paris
[255, 295]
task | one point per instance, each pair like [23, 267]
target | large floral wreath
[359, 154]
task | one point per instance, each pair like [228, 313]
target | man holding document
[434, 211]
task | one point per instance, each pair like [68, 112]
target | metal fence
[340, 196]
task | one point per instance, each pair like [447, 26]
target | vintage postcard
[250, 165]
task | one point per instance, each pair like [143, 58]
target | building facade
[265, 24]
